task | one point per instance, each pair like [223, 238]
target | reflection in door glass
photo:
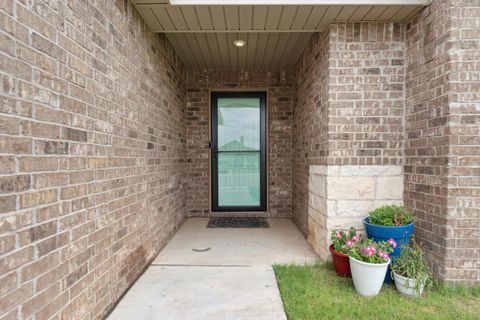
[239, 179]
[238, 151]
[238, 124]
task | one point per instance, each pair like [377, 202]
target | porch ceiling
[276, 32]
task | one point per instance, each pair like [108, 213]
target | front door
[238, 151]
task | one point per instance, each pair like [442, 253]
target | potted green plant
[410, 271]
[369, 261]
[341, 243]
[390, 222]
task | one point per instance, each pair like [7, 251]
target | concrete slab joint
[339, 196]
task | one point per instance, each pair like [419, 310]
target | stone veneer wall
[339, 196]
[350, 107]
[280, 89]
[93, 148]
[442, 163]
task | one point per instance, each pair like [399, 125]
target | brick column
[442, 136]
[369, 94]
[348, 127]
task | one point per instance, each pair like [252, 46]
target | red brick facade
[93, 149]
[280, 89]
[443, 134]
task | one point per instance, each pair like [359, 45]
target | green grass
[315, 292]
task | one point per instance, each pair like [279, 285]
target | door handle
[213, 148]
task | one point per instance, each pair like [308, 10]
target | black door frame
[263, 150]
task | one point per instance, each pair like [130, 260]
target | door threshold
[239, 214]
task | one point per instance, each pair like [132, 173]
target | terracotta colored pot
[341, 262]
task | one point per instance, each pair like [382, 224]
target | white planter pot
[368, 277]
[407, 286]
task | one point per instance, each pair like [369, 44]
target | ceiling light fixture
[239, 43]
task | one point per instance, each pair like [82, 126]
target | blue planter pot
[401, 235]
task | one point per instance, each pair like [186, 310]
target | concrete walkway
[216, 274]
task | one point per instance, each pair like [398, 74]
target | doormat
[230, 222]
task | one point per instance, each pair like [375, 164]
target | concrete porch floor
[232, 279]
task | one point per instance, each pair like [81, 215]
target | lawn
[315, 292]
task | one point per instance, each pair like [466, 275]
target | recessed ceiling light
[239, 43]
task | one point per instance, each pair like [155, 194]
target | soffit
[203, 33]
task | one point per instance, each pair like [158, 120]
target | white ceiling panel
[288, 18]
[267, 51]
[276, 32]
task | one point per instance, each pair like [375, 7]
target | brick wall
[350, 100]
[381, 82]
[97, 116]
[464, 153]
[92, 164]
[280, 89]
[310, 141]
[442, 136]
[365, 93]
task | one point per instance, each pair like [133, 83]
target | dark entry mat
[229, 222]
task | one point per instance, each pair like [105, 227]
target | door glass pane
[238, 124]
[239, 179]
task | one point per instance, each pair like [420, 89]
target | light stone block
[316, 239]
[343, 224]
[317, 185]
[318, 203]
[389, 188]
[354, 208]
[317, 216]
[318, 170]
[350, 188]
[332, 171]
[340, 196]
[368, 171]
[381, 203]
[331, 208]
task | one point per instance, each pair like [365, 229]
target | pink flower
[349, 243]
[371, 248]
[339, 235]
[368, 251]
[355, 238]
[392, 242]
[383, 255]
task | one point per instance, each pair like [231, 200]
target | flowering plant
[343, 241]
[367, 250]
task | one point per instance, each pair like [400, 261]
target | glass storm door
[238, 151]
